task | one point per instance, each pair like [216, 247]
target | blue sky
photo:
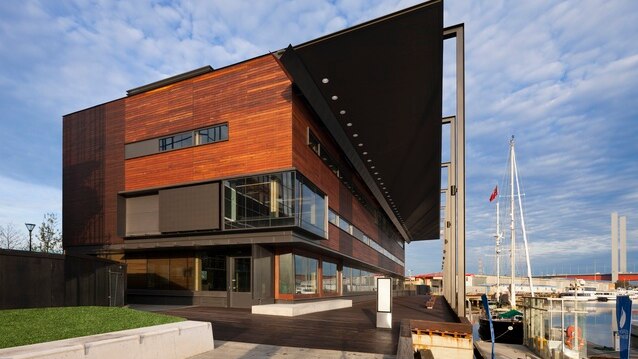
[561, 76]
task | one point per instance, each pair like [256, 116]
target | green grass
[30, 326]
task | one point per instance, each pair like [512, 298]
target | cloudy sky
[561, 76]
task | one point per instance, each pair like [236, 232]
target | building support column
[456, 179]
[614, 247]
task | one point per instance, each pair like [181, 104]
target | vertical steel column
[614, 247]
[623, 244]
[452, 224]
[457, 178]
[460, 166]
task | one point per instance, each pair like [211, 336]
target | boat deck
[349, 329]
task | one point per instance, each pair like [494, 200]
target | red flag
[494, 194]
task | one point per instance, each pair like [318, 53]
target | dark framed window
[174, 142]
[313, 142]
[212, 134]
[305, 275]
[329, 277]
[213, 273]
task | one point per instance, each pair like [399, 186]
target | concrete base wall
[167, 341]
[291, 310]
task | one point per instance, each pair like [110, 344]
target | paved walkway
[237, 350]
[343, 330]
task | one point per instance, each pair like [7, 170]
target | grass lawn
[30, 326]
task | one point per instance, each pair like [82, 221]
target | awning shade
[386, 75]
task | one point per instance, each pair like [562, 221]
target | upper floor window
[174, 142]
[212, 134]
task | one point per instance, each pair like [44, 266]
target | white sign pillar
[384, 303]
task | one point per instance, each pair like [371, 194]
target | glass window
[286, 283]
[329, 277]
[346, 280]
[313, 142]
[305, 275]
[260, 201]
[212, 134]
[332, 217]
[181, 273]
[214, 273]
[313, 208]
[344, 225]
[158, 273]
[241, 275]
[174, 142]
[356, 233]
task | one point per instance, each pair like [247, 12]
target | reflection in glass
[305, 275]
[286, 282]
[329, 277]
[274, 200]
[214, 273]
[241, 275]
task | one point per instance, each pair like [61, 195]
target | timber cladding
[340, 198]
[253, 98]
[93, 174]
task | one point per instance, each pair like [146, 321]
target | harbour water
[600, 322]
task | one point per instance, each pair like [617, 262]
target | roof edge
[171, 80]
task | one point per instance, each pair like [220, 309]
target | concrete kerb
[292, 310]
[166, 341]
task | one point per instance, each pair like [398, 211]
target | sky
[562, 76]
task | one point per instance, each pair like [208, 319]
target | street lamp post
[30, 227]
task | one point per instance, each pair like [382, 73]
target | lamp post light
[30, 227]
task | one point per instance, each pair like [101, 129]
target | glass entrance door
[240, 288]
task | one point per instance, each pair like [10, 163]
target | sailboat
[508, 322]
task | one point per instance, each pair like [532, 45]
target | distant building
[294, 175]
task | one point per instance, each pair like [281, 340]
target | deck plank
[349, 329]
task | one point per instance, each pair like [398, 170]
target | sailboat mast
[520, 208]
[512, 229]
[498, 253]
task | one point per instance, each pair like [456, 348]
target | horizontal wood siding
[339, 197]
[253, 97]
[93, 173]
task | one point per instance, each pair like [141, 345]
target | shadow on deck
[349, 329]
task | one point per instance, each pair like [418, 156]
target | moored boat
[508, 326]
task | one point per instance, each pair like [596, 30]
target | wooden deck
[350, 329]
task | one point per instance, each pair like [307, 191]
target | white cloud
[22, 202]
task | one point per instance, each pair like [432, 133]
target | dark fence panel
[32, 280]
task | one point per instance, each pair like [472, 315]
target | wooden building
[295, 175]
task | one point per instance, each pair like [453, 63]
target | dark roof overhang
[387, 75]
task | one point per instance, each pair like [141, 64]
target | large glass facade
[159, 271]
[213, 273]
[313, 208]
[305, 275]
[357, 280]
[260, 201]
[275, 200]
[329, 277]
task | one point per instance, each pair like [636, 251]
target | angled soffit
[377, 87]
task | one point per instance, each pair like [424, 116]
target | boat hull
[501, 332]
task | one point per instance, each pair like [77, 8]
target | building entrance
[239, 288]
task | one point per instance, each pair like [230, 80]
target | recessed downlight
[325, 80]
[369, 160]
[365, 153]
[342, 112]
[376, 173]
[360, 145]
[349, 124]
[372, 167]
[355, 135]
[335, 97]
